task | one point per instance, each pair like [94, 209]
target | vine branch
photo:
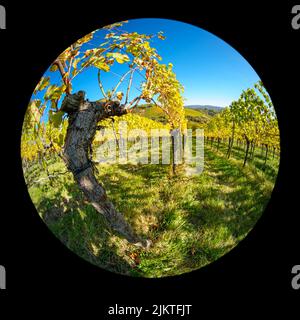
[101, 85]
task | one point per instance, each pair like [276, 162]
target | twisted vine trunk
[247, 150]
[83, 119]
[266, 156]
[231, 140]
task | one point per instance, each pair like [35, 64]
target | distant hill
[208, 109]
[196, 118]
[151, 112]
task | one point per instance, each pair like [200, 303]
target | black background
[257, 273]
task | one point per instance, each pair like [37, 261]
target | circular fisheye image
[150, 148]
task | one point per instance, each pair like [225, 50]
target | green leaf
[161, 37]
[44, 82]
[33, 110]
[60, 140]
[120, 58]
[101, 65]
[53, 104]
[115, 25]
[54, 92]
[85, 39]
[56, 118]
[75, 62]
[53, 68]
[119, 95]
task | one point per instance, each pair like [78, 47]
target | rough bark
[231, 140]
[262, 150]
[218, 146]
[173, 165]
[266, 156]
[247, 151]
[228, 147]
[252, 150]
[83, 118]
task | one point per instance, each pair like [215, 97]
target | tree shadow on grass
[133, 189]
[84, 231]
[219, 214]
[127, 187]
[269, 169]
[226, 211]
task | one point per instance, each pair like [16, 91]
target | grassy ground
[192, 221]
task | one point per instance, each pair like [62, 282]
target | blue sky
[211, 71]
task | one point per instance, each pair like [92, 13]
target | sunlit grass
[191, 221]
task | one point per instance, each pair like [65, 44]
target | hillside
[208, 109]
[151, 112]
[195, 118]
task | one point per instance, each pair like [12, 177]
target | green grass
[192, 221]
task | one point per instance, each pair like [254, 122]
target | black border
[259, 267]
